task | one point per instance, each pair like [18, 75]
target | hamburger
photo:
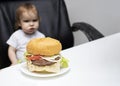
[43, 55]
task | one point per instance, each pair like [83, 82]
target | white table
[95, 63]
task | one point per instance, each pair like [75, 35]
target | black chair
[54, 23]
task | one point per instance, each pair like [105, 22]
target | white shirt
[19, 39]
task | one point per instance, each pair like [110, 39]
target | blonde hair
[26, 7]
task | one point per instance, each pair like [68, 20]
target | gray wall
[102, 14]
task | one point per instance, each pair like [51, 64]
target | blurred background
[104, 15]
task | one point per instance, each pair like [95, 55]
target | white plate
[24, 69]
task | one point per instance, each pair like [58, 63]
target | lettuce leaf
[64, 62]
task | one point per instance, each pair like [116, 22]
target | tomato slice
[36, 57]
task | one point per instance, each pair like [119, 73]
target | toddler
[27, 23]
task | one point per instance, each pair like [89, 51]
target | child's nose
[31, 23]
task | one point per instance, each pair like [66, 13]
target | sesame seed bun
[44, 46]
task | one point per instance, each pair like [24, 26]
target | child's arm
[12, 55]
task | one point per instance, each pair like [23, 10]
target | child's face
[29, 22]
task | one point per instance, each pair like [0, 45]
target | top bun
[44, 46]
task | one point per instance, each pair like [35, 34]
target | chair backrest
[54, 23]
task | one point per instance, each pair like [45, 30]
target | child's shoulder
[18, 31]
[39, 33]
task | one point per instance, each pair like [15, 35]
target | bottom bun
[52, 68]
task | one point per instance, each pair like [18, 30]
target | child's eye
[25, 20]
[35, 20]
